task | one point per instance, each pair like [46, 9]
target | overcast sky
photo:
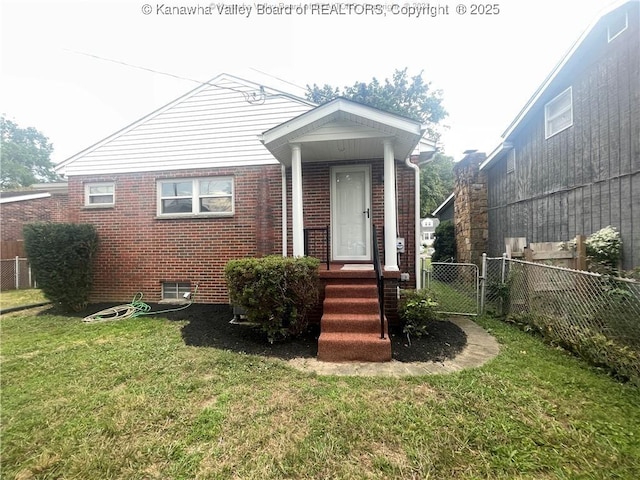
[55, 76]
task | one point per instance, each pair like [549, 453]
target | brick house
[570, 160]
[46, 202]
[235, 169]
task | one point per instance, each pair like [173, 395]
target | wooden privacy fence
[12, 249]
[570, 254]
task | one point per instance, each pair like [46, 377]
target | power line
[251, 97]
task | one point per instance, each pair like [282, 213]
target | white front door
[351, 213]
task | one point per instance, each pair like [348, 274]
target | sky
[79, 71]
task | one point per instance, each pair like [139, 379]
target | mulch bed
[209, 326]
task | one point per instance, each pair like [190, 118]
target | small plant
[61, 257]
[276, 292]
[417, 311]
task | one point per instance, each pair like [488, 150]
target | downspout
[416, 240]
[284, 210]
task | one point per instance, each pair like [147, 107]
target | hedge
[61, 256]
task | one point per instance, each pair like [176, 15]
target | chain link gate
[454, 286]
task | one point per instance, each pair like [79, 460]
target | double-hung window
[99, 194]
[211, 196]
[558, 113]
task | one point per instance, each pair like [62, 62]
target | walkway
[481, 347]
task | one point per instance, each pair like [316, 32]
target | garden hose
[136, 308]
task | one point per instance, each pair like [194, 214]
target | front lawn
[130, 399]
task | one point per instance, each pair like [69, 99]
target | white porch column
[296, 201]
[390, 234]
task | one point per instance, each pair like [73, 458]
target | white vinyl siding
[212, 196]
[216, 125]
[99, 194]
[558, 113]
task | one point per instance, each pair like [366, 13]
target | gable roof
[216, 124]
[448, 201]
[343, 129]
[537, 97]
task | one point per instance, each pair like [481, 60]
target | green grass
[129, 399]
[451, 299]
[17, 298]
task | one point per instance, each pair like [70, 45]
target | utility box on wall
[400, 244]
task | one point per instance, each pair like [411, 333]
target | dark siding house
[570, 161]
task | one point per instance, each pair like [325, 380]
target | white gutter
[21, 198]
[417, 226]
[283, 169]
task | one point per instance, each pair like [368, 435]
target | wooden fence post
[581, 253]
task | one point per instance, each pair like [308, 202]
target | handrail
[324, 229]
[379, 278]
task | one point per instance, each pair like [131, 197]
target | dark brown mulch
[209, 326]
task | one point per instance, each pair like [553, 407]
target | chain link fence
[15, 274]
[454, 286]
[596, 316]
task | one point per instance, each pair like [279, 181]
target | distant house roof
[443, 205]
[40, 190]
[537, 97]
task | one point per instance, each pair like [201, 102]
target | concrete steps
[350, 324]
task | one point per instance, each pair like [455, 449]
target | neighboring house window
[175, 290]
[616, 26]
[511, 161]
[99, 194]
[558, 113]
[199, 196]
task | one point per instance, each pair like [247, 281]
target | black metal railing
[377, 267]
[314, 247]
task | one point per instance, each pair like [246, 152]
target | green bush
[61, 256]
[417, 311]
[445, 242]
[604, 249]
[276, 292]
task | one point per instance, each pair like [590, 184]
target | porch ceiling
[342, 130]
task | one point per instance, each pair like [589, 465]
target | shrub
[61, 256]
[445, 242]
[417, 311]
[605, 248]
[276, 292]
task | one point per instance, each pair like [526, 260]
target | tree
[25, 154]
[445, 242]
[410, 97]
[436, 183]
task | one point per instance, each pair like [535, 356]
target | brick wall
[15, 215]
[138, 251]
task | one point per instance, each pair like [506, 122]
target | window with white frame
[617, 25]
[211, 196]
[175, 290]
[99, 194]
[558, 113]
